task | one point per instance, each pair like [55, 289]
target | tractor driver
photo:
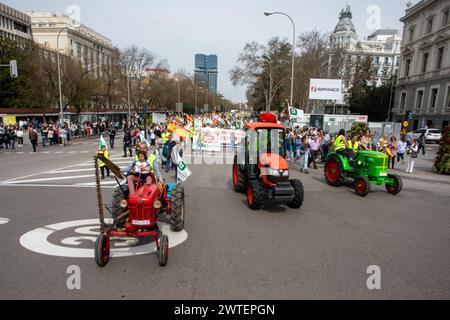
[143, 168]
[343, 147]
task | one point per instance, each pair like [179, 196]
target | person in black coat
[127, 143]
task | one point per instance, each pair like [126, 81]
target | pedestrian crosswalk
[81, 175]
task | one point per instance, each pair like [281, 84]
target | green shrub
[442, 163]
[360, 129]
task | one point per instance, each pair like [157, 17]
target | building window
[386, 60]
[447, 103]
[434, 96]
[419, 100]
[411, 34]
[430, 25]
[425, 62]
[440, 56]
[403, 102]
[445, 18]
[407, 67]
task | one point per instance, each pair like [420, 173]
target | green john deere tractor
[367, 168]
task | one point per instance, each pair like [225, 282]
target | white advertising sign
[159, 118]
[325, 89]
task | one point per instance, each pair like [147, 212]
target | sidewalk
[423, 168]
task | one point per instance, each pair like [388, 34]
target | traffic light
[409, 116]
[13, 69]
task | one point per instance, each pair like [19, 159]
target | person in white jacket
[411, 154]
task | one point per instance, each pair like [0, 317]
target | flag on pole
[102, 143]
[296, 114]
[183, 172]
[189, 118]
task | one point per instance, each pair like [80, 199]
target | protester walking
[33, 139]
[422, 144]
[112, 136]
[411, 153]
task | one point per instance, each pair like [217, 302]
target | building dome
[345, 21]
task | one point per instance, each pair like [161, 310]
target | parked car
[431, 135]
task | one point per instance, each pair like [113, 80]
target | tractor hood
[274, 161]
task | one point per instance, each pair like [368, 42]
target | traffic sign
[403, 132]
[406, 124]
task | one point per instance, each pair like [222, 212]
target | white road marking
[53, 186]
[92, 184]
[52, 179]
[69, 171]
[4, 220]
[37, 241]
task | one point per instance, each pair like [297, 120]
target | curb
[416, 178]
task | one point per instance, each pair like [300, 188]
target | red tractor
[137, 216]
[261, 169]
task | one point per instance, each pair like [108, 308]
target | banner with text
[325, 89]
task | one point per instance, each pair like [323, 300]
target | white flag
[296, 114]
[183, 172]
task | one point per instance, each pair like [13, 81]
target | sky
[175, 30]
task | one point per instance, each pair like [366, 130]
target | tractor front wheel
[255, 195]
[299, 194]
[163, 252]
[238, 177]
[362, 186]
[102, 250]
[177, 215]
[333, 171]
[397, 185]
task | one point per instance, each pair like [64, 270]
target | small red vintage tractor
[260, 169]
[137, 216]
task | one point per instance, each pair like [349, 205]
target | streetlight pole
[59, 77]
[59, 72]
[293, 51]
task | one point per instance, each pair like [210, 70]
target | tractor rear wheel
[238, 178]
[255, 195]
[102, 250]
[299, 194]
[396, 187]
[334, 171]
[362, 186]
[177, 214]
[163, 252]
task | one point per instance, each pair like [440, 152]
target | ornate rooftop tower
[345, 32]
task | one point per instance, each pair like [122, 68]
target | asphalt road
[321, 251]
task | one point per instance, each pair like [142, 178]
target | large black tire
[163, 252]
[299, 194]
[397, 187]
[334, 171]
[116, 209]
[255, 195]
[362, 186]
[102, 250]
[118, 196]
[177, 215]
[239, 181]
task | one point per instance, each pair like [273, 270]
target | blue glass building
[206, 71]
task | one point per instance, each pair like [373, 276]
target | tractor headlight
[123, 204]
[277, 173]
[157, 204]
[272, 172]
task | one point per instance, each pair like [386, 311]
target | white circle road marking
[36, 241]
[4, 220]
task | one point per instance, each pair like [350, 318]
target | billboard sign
[325, 89]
